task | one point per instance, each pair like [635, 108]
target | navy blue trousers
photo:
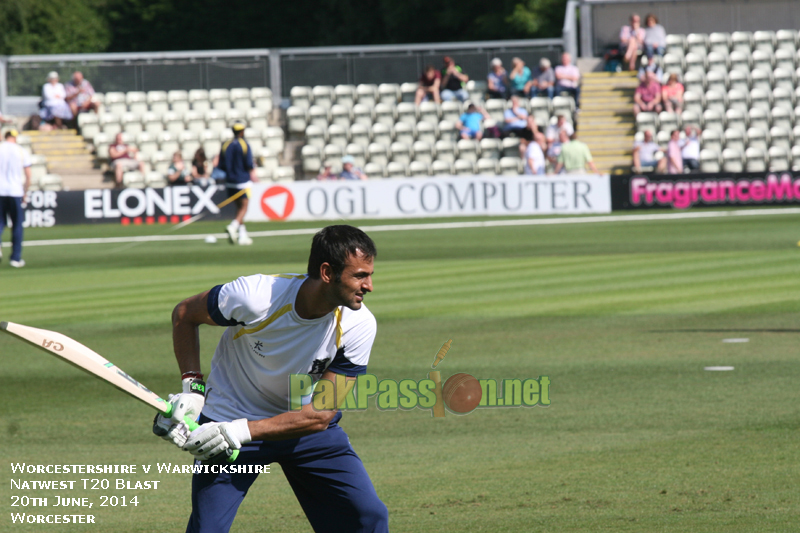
[327, 477]
[11, 207]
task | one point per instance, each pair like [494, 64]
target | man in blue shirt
[470, 122]
[236, 159]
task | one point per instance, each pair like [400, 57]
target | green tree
[52, 27]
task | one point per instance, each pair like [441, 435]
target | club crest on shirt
[255, 347]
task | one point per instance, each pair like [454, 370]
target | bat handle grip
[232, 454]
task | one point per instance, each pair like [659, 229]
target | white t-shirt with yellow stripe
[266, 341]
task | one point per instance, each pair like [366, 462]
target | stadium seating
[741, 91]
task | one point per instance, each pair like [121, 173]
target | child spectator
[655, 37]
[177, 173]
[200, 167]
[519, 77]
[497, 80]
[647, 96]
[326, 173]
[568, 78]
[544, 84]
[631, 40]
[672, 94]
[470, 122]
[453, 80]
[429, 84]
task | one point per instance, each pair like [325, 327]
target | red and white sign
[277, 202]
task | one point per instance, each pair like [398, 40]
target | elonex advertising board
[443, 196]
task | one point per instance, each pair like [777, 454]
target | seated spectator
[519, 77]
[644, 154]
[429, 84]
[674, 158]
[516, 121]
[544, 84]
[650, 65]
[690, 148]
[470, 122]
[532, 157]
[453, 81]
[561, 124]
[575, 155]
[54, 107]
[647, 96]
[631, 41]
[177, 173]
[568, 78]
[554, 147]
[123, 158]
[79, 95]
[200, 173]
[672, 94]
[655, 37]
[217, 172]
[497, 80]
[326, 172]
[349, 169]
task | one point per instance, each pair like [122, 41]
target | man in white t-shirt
[533, 157]
[645, 154]
[15, 180]
[279, 326]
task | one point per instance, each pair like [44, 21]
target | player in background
[236, 159]
[315, 324]
[15, 180]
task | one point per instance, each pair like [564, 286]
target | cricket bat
[93, 363]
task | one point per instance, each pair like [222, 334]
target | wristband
[192, 374]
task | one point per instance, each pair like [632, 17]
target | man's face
[77, 78]
[648, 136]
[347, 166]
[119, 138]
[356, 281]
[636, 21]
[566, 60]
[514, 101]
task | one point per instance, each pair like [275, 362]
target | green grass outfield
[621, 316]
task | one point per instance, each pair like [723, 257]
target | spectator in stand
[516, 121]
[655, 37]
[55, 108]
[123, 159]
[544, 84]
[326, 173]
[200, 167]
[429, 85]
[674, 158]
[672, 94]
[470, 122]
[553, 147]
[519, 77]
[575, 155]
[217, 170]
[533, 157]
[568, 78]
[690, 148]
[561, 124]
[631, 40]
[644, 154]
[350, 171]
[649, 65]
[453, 81]
[647, 96]
[178, 173]
[497, 80]
[79, 95]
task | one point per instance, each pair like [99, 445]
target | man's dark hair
[333, 244]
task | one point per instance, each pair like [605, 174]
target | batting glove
[188, 403]
[214, 438]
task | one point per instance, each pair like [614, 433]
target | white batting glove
[214, 438]
[188, 403]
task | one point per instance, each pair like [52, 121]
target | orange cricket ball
[462, 393]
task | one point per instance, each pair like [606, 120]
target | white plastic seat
[168, 143]
[763, 60]
[234, 116]
[662, 139]
[759, 118]
[300, 96]
[717, 81]
[694, 82]
[429, 112]
[756, 160]
[315, 136]
[463, 167]
[780, 137]
[732, 160]
[273, 139]
[268, 159]
[367, 94]
[695, 63]
[491, 148]
[341, 115]
[157, 101]
[735, 139]
[783, 78]
[256, 118]
[738, 100]
[510, 147]
[114, 102]
[240, 98]
[385, 114]
[190, 142]
[510, 166]
[283, 174]
[692, 101]
[178, 101]
[668, 121]
[318, 116]
[783, 117]
[451, 110]
[89, 124]
[198, 99]
[323, 95]
[760, 99]
[742, 41]
[160, 161]
[389, 93]
[709, 161]
[408, 92]
[423, 151]
[401, 152]
[496, 108]
[381, 133]
[363, 114]
[476, 89]
[110, 124]
[357, 152]
[715, 101]
[404, 132]
[736, 119]
[445, 151]
[783, 97]
[785, 59]
[338, 135]
[487, 167]
[719, 42]
[646, 121]
[761, 79]
[312, 159]
[739, 60]
[216, 121]
[443, 168]
[332, 152]
[378, 153]
[467, 150]
[795, 155]
[374, 170]
[396, 169]
[220, 99]
[418, 169]
[697, 43]
[739, 80]
[672, 63]
[711, 140]
[448, 130]
[261, 98]
[345, 95]
[360, 134]
[427, 132]
[676, 44]
[717, 62]
[540, 110]
[406, 113]
[713, 120]
[786, 40]
[764, 41]
[757, 138]
[779, 160]
[194, 121]
[563, 104]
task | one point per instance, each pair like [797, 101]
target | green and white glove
[214, 438]
[187, 404]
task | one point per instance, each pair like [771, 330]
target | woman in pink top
[631, 40]
[674, 158]
[672, 95]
